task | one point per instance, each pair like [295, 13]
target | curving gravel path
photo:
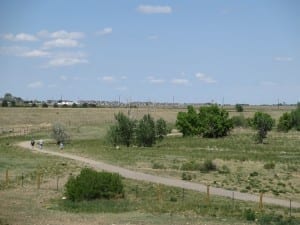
[166, 181]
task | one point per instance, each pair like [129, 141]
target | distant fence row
[22, 131]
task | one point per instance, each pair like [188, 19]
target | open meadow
[241, 165]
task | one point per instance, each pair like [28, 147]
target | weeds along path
[165, 181]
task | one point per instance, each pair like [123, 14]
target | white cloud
[123, 77]
[151, 9]
[154, 80]
[35, 53]
[105, 31]
[61, 34]
[36, 84]
[61, 43]
[108, 79]
[66, 61]
[19, 37]
[180, 81]
[205, 78]
[283, 59]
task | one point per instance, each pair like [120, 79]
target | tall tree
[263, 123]
[145, 132]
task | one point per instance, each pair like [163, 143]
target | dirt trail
[166, 181]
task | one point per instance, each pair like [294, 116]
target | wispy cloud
[283, 59]
[105, 31]
[108, 78]
[154, 9]
[13, 50]
[154, 80]
[205, 78]
[65, 61]
[19, 37]
[61, 34]
[36, 84]
[61, 43]
[180, 81]
[36, 53]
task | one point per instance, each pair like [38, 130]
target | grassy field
[241, 165]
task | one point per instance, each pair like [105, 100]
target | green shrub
[254, 174]
[249, 214]
[90, 184]
[190, 166]
[239, 108]
[158, 166]
[224, 170]
[273, 219]
[269, 165]
[208, 166]
[186, 176]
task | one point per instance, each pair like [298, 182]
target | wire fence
[39, 180]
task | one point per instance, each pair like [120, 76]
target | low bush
[208, 166]
[90, 184]
[249, 215]
[269, 166]
[190, 166]
[186, 176]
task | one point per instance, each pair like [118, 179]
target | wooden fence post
[38, 180]
[208, 194]
[261, 201]
[6, 177]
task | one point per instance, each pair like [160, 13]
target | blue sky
[194, 51]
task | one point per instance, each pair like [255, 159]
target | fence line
[15, 180]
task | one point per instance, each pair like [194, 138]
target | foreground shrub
[90, 184]
[208, 166]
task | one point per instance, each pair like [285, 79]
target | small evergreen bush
[90, 185]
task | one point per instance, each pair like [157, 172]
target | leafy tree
[285, 122]
[263, 123]
[239, 108]
[161, 128]
[59, 133]
[8, 97]
[123, 131]
[211, 122]
[45, 105]
[214, 122]
[295, 114]
[4, 103]
[145, 132]
[187, 122]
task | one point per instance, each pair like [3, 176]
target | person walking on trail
[41, 143]
[61, 145]
[32, 143]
